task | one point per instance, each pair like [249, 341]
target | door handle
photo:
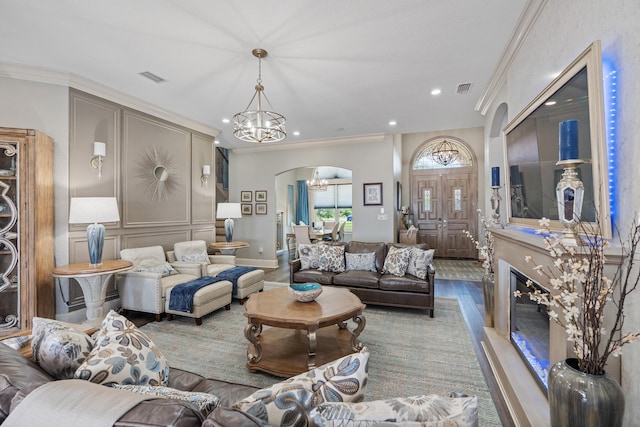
[444, 224]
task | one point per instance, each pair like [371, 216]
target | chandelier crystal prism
[258, 125]
[317, 184]
[444, 153]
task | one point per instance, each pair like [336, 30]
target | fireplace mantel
[527, 402]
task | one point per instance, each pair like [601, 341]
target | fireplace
[530, 328]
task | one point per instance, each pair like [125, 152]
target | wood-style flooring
[469, 295]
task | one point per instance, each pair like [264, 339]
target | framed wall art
[372, 193]
[245, 196]
[261, 208]
[246, 208]
[261, 196]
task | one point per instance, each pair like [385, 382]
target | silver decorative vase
[578, 399]
[488, 284]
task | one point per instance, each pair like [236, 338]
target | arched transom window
[427, 158]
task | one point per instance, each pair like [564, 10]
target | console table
[93, 280]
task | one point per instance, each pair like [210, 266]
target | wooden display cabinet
[26, 228]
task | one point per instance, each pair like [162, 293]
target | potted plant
[580, 391]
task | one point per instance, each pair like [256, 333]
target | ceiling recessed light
[226, 121]
[436, 92]
[215, 141]
[550, 103]
[393, 123]
[296, 133]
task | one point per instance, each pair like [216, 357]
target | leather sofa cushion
[407, 283]
[20, 370]
[366, 247]
[225, 417]
[315, 276]
[228, 393]
[357, 279]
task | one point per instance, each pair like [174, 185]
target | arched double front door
[444, 198]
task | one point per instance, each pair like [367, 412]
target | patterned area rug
[456, 269]
[411, 353]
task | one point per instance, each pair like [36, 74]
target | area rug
[458, 269]
[410, 353]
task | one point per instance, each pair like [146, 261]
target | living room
[556, 32]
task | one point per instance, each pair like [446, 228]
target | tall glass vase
[578, 399]
[488, 284]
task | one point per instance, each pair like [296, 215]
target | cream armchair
[143, 288]
[195, 252]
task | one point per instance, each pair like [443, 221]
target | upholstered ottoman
[207, 299]
[248, 283]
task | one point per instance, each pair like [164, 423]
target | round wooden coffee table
[300, 335]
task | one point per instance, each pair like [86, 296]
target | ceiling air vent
[463, 88]
[152, 77]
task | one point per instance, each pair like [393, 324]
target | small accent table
[303, 334]
[228, 248]
[93, 281]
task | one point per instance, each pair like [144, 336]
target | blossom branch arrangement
[581, 291]
[485, 248]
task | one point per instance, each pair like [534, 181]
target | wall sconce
[99, 151]
[206, 171]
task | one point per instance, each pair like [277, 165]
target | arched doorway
[444, 198]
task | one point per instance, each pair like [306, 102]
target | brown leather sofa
[373, 287]
[19, 376]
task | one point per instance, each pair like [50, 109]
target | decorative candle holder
[495, 206]
[569, 194]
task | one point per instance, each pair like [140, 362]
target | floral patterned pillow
[423, 411]
[419, 261]
[397, 261]
[289, 402]
[165, 269]
[205, 402]
[18, 342]
[196, 257]
[366, 261]
[123, 355]
[308, 253]
[58, 348]
[331, 258]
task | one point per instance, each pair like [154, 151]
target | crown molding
[65, 78]
[518, 35]
[376, 137]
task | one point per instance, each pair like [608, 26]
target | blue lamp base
[95, 239]
[228, 229]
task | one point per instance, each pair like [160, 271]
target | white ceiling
[336, 68]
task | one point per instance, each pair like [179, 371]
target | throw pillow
[423, 411]
[165, 269]
[419, 261]
[124, 355]
[289, 402]
[196, 257]
[396, 261]
[205, 402]
[366, 261]
[18, 342]
[331, 258]
[58, 348]
[308, 254]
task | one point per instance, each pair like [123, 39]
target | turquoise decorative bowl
[305, 292]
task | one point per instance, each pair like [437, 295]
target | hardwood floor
[469, 296]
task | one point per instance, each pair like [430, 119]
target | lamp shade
[228, 210]
[87, 210]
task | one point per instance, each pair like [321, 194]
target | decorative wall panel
[203, 191]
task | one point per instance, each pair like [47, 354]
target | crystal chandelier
[444, 153]
[258, 125]
[317, 184]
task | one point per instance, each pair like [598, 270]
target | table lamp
[228, 211]
[94, 210]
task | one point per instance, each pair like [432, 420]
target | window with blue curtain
[302, 207]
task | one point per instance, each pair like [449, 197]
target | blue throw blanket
[182, 295]
[233, 274]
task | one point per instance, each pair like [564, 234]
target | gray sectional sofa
[373, 286]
